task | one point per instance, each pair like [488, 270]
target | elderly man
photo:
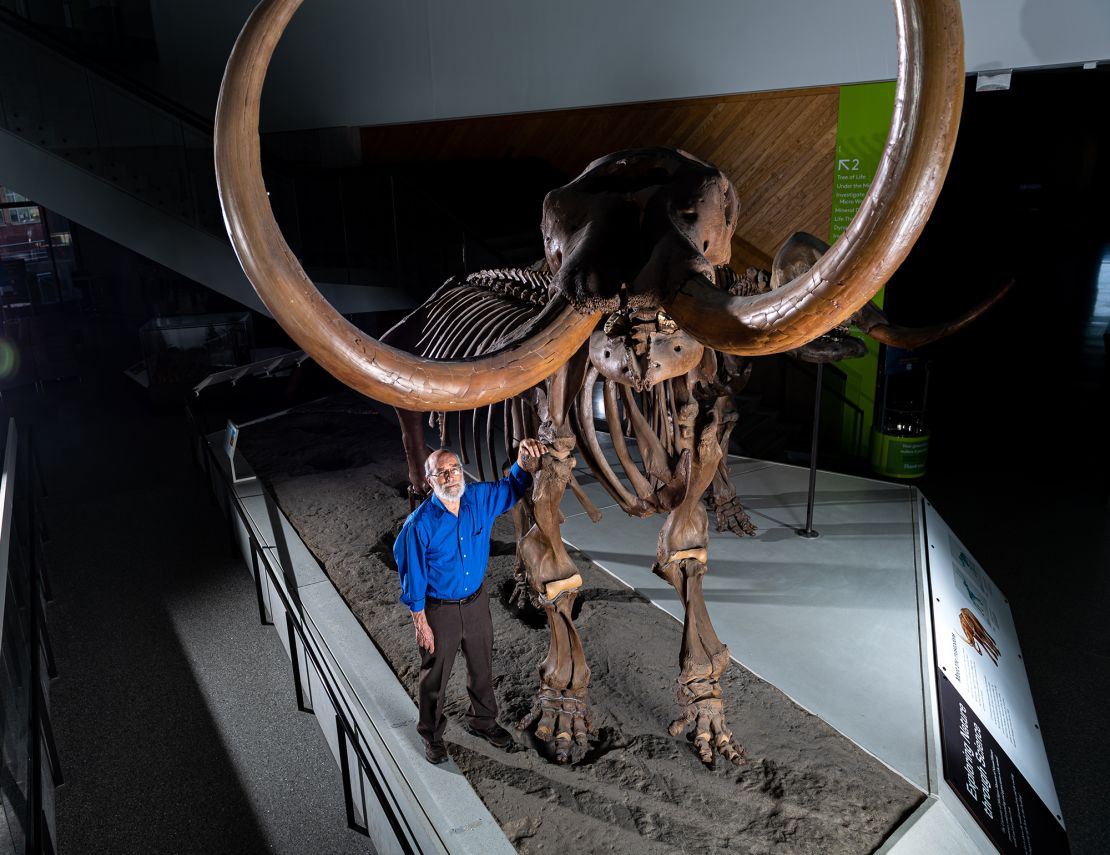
[441, 555]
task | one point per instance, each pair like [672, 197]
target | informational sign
[899, 456]
[231, 439]
[994, 757]
[862, 126]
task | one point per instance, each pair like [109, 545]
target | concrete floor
[174, 711]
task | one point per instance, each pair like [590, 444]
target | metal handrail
[346, 726]
[40, 734]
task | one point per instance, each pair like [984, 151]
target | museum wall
[777, 148]
[359, 63]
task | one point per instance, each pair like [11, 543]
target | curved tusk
[874, 323]
[928, 98]
[358, 360]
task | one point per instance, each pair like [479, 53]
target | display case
[186, 348]
[900, 433]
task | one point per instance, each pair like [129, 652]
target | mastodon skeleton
[638, 235]
[659, 386]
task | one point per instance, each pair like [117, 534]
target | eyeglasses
[450, 471]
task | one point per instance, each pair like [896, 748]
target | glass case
[186, 348]
[900, 434]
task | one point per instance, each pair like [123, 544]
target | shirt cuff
[415, 606]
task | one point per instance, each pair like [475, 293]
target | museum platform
[840, 623]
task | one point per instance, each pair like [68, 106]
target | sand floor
[337, 470]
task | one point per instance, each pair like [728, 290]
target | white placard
[231, 438]
[977, 649]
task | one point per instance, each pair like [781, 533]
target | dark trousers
[469, 626]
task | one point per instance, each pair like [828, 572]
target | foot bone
[563, 718]
[731, 516]
[704, 708]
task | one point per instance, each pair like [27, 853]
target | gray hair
[433, 460]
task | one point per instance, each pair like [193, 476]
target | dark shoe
[435, 752]
[495, 735]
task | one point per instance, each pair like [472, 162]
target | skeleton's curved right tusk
[358, 360]
[927, 104]
[873, 322]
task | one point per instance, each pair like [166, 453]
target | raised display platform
[842, 623]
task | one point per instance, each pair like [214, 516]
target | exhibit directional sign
[862, 124]
[993, 753]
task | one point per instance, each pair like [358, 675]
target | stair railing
[31, 770]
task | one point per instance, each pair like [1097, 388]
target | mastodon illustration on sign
[976, 635]
[635, 293]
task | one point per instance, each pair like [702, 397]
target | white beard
[450, 493]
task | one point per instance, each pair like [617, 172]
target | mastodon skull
[635, 225]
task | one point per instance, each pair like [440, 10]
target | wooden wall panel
[777, 148]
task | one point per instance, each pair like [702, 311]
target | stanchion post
[809, 531]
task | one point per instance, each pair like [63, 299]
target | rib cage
[469, 316]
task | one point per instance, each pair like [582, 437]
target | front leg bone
[560, 711]
[681, 559]
[704, 660]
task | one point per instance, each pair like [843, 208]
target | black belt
[436, 601]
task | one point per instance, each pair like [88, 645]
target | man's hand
[425, 639]
[532, 448]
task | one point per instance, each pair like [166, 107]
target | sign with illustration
[231, 439]
[994, 757]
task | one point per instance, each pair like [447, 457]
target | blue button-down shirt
[443, 556]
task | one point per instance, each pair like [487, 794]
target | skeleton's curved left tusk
[358, 360]
[928, 98]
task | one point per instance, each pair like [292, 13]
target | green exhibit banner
[863, 122]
